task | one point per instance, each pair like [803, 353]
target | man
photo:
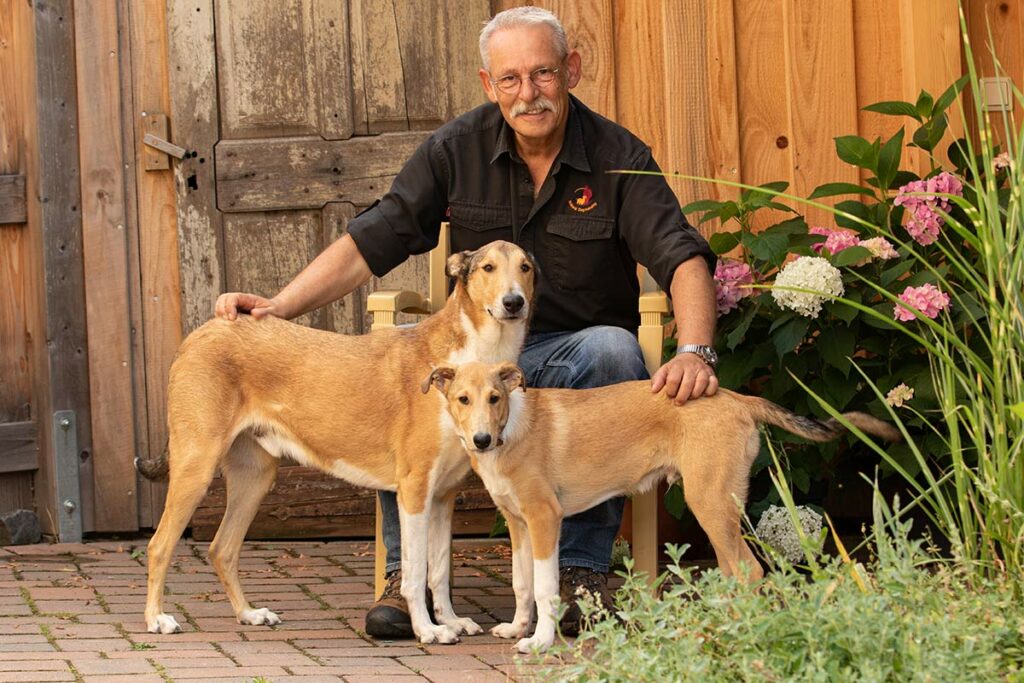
[532, 167]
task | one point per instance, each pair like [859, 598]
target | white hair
[523, 16]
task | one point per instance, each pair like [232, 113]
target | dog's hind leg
[439, 548]
[249, 472]
[715, 488]
[522, 580]
[193, 462]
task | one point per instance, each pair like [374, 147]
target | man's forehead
[509, 48]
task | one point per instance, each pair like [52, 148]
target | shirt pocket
[583, 252]
[474, 225]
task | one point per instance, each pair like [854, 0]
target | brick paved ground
[73, 612]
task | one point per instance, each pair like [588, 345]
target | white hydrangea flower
[776, 529]
[811, 273]
[899, 395]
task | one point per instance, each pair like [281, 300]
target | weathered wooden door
[296, 114]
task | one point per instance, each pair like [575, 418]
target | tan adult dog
[243, 394]
[547, 453]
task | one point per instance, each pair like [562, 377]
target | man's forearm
[338, 270]
[693, 302]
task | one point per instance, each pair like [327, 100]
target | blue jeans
[593, 357]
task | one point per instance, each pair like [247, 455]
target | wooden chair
[384, 305]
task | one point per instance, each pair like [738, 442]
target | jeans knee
[613, 355]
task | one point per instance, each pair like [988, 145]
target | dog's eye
[525, 267]
[487, 267]
[464, 400]
[494, 399]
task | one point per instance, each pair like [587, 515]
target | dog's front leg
[440, 551]
[414, 517]
[522, 580]
[544, 526]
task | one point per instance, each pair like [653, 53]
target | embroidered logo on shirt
[582, 202]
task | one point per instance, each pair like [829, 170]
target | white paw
[439, 634]
[164, 623]
[256, 617]
[509, 630]
[534, 644]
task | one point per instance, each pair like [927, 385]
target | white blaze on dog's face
[500, 276]
[478, 400]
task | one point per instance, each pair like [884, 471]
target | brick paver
[73, 612]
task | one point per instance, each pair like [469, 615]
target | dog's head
[499, 276]
[479, 400]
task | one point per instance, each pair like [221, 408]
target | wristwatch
[704, 352]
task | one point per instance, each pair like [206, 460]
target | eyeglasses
[511, 83]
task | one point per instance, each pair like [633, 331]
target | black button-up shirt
[587, 228]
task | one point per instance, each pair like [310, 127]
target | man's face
[535, 112]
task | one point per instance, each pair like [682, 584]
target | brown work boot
[389, 617]
[574, 583]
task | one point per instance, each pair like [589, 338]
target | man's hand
[684, 377]
[231, 304]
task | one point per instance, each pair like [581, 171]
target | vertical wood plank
[55, 204]
[640, 107]
[762, 39]
[346, 315]
[588, 25]
[195, 126]
[106, 270]
[820, 52]
[723, 118]
[153, 236]
[462, 26]
[996, 32]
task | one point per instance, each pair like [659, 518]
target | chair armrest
[383, 305]
[654, 302]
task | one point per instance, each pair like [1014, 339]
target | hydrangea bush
[780, 323]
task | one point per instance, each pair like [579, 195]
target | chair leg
[645, 533]
[379, 553]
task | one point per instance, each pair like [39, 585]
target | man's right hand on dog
[231, 304]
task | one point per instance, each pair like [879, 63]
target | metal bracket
[69, 496]
[157, 147]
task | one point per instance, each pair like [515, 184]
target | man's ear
[458, 265]
[511, 376]
[485, 80]
[441, 378]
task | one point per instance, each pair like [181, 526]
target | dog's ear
[441, 377]
[511, 376]
[458, 265]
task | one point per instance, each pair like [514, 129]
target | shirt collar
[572, 153]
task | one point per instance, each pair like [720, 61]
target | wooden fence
[746, 91]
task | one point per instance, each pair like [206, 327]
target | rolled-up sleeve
[406, 220]
[653, 226]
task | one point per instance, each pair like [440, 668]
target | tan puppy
[547, 453]
[245, 393]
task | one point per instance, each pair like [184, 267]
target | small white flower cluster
[899, 395]
[776, 529]
[812, 273]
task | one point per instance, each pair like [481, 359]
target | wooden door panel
[307, 173]
[284, 68]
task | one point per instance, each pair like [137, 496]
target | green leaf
[800, 480]
[894, 108]
[724, 242]
[924, 104]
[736, 335]
[675, 502]
[856, 150]
[855, 208]
[777, 186]
[851, 255]
[834, 189]
[946, 98]
[889, 158]
[702, 205]
[927, 137]
[793, 226]
[836, 345]
[890, 275]
[789, 335]
[770, 247]
[957, 153]
[1018, 409]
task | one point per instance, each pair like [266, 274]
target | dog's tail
[154, 469]
[821, 430]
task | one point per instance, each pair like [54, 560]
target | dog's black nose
[513, 303]
[481, 440]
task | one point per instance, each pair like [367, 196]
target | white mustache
[537, 106]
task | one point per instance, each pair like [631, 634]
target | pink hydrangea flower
[928, 299]
[923, 219]
[835, 240]
[732, 280]
[1002, 161]
[880, 248]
